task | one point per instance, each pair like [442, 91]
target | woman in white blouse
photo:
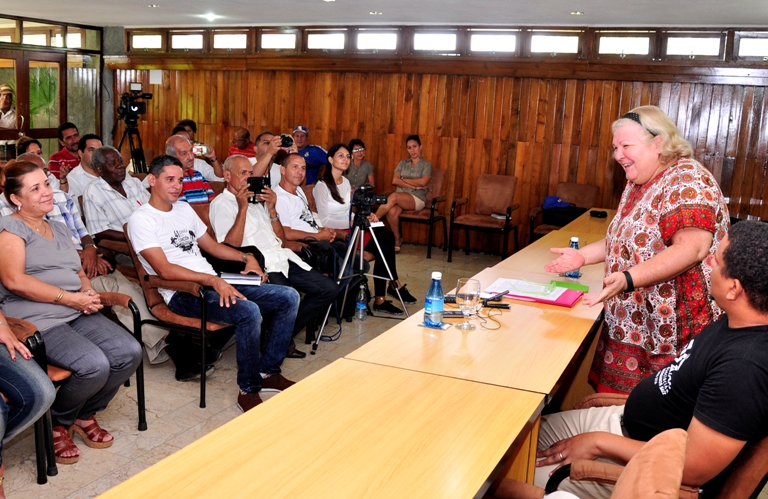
[333, 195]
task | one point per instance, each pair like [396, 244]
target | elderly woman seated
[42, 281]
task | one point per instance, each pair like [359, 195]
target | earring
[18, 208]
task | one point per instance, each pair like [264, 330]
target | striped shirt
[65, 210]
[107, 209]
[195, 189]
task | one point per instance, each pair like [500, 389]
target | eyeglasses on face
[358, 149]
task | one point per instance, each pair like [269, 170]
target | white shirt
[55, 183]
[107, 209]
[78, 180]
[175, 232]
[258, 232]
[8, 120]
[294, 210]
[274, 173]
[332, 213]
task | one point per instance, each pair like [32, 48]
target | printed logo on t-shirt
[664, 377]
[307, 217]
[185, 240]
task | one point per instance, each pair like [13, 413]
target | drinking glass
[467, 298]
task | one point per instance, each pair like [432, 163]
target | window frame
[518, 32]
[737, 37]
[164, 41]
[667, 34]
[580, 33]
[305, 32]
[653, 44]
[458, 51]
[278, 31]
[249, 40]
[401, 35]
[205, 34]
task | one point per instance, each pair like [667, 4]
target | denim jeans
[29, 391]
[319, 292]
[101, 356]
[246, 315]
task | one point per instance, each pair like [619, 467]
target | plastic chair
[429, 215]
[166, 318]
[582, 195]
[494, 196]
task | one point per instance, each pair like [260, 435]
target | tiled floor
[173, 415]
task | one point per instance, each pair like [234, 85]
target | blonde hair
[657, 123]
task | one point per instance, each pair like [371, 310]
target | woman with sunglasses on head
[360, 170]
[671, 217]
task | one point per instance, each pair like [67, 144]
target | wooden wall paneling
[738, 203]
[759, 185]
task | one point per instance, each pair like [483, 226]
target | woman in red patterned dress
[671, 216]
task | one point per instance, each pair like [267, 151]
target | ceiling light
[329, 0]
[211, 16]
[153, 6]
[577, 13]
[375, 13]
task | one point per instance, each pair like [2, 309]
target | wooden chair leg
[42, 477]
[48, 441]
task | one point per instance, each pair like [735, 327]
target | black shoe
[387, 307]
[293, 353]
[188, 374]
[407, 297]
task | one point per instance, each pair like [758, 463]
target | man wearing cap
[315, 156]
[7, 109]
[7, 119]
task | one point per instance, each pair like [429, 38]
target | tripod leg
[389, 272]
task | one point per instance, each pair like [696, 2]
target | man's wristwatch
[245, 257]
[91, 244]
[276, 219]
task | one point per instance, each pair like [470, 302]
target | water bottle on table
[435, 302]
[575, 245]
[361, 305]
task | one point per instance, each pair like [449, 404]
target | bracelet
[91, 244]
[276, 219]
[3, 323]
[245, 256]
[63, 182]
[630, 282]
[59, 296]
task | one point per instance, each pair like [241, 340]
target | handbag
[319, 255]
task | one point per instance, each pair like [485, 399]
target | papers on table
[241, 279]
[526, 289]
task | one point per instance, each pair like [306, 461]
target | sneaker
[247, 401]
[407, 297]
[189, 374]
[276, 383]
[387, 307]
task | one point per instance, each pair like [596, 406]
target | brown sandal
[93, 435]
[63, 444]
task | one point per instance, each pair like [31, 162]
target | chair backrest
[217, 187]
[203, 211]
[494, 193]
[748, 471]
[152, 295]
[582, 195]
[435, 185]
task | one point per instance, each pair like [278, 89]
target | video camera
[364, 198]
[129, 108]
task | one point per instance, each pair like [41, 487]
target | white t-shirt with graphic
[294, 210]
[175, 232]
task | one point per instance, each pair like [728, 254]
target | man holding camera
[245, 215]
[268, 147]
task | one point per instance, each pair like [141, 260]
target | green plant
[43, 96]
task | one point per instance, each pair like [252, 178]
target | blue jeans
[319, 292]
[253, 358]
[29, 391]
[101, 356]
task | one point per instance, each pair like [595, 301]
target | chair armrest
[459, 202]
[192, 288]
[512, 489]
[513, 207]
[535, 211]
[114, 299]
[20, 328]
[601, 400]
[439, 199]
[116, 246]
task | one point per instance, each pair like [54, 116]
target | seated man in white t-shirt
[239, 223]
[168, 237]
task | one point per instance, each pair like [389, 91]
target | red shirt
[248, 152]
[63, 157]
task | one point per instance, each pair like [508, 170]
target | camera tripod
[131, 132]
[357, 242]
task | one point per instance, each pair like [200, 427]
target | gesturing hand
[570, 259]
[613, 285]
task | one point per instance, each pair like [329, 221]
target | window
[554, 44]
[326, 41]
[435, 42]
[496, 42]
[624, 45]
[35, 39]
[277, 41]
[42, 34]
[147, 42]
[377, 40]
[8, 31]
[74, 40]
[230, 41]
[82, 38]
[692, 45]
[187, 42]
[752, 45]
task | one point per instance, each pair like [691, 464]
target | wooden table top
[591, 225]
[529, 351]
[351, 430]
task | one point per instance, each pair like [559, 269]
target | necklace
[42, 224]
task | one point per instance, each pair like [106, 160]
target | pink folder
[567, 299]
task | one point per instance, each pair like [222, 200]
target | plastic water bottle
[361, 306]
[574, 245]
[435, 302]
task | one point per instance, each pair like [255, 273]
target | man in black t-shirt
[716, 389]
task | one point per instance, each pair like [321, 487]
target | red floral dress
[644, 330]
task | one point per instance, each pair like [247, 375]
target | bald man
[242, 144]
